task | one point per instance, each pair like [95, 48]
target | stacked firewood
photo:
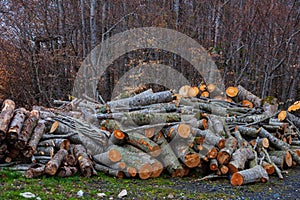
[143, 134]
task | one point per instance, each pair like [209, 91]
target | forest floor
[12, 184]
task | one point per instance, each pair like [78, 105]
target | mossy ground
[13, 183]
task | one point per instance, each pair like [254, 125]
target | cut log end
[184, 130]
[236, 179]
[192, 160]
[114, 155]
[282, 115]
[157, 169]
[145, 171]
[205, 94]
[155, 151]
[149, 132]
[232, 91]
[246, 103]
[193, 91]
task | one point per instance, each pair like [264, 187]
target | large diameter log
[224, 155]
[35, 171]
[140, 100]
[6, 115]
[168, 157]
[35, 138]
[27, 129]
[284, 157]
[108, 158]
[16, 124]
[255, 174]
[179, 131]
[110, 171]
[85, 164]
[239, 158]
[53, 165]
[144, 143]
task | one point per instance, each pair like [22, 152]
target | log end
[221, 143]
[192, 160]
[145, 171]
[282, 115]
[232, 91]
[184, 130]
[223, 157]
[114, 155]
[288, 159]
[236, 179]
[155, 151]
[157, 169]
[232, 169]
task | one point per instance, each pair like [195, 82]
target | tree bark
[16, 125]
[53, 165]
[6, 115]
[239, 158]
[85, 164]
[35, 171]
[255, 174]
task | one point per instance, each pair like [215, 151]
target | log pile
[197, 130]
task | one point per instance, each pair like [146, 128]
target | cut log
[157, 166]
[6, 115]
[108, 158]
[185, 154]
[168, 157]
[246, 103]
[53, 165]
[179, 131]
[255, 174]
[224, 169]
[67, 171]
[70, 160]
[184, 91]
[35, 138]
[205, 94]
[245, 94]
[140, 100]
[35, 171]
[107, 170]
[16, 125]
[248, 131]
[239, 158]
[193, 91]
[57, 143]
[214, 90]
[213, 165]
[209, 137]
[44, 151]
[207, 151]
[138, 118]
[281, 158]
[3, 149]
[85, 164]
[295, 108]
[240, 140]
[268, 167]
[278, 144]
[118, 137]
[27, 129]
[232, 91]
[224, 155]
[261, 142]
[144, 144]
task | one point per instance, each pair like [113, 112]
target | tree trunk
[225, 154]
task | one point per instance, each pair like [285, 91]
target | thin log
[85, 164]
[45, 151]
[255, 174]
[268, 167]
[118, 137]
[57, 143]
[277, 170]
[213, 165]
[53, 165]
[278, 144]
[108, 158]
[248, 131]
[224, 155]
[185, 154]
[7, 113]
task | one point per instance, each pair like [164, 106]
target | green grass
[13, 183]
